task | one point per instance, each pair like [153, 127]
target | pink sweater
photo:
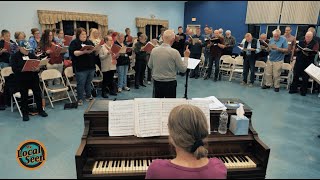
[164, 169]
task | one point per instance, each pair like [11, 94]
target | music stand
[186, 85]
[192, 64]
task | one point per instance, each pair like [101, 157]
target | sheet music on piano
[204, 106]
[147, 117]
[121, 119]
[167, 105]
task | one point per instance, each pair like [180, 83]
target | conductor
[165, 62]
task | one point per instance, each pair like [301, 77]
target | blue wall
[219, 14]
[225, 14]
[121, 14]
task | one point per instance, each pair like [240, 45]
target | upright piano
[102, 156]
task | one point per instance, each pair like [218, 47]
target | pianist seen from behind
[187, 130]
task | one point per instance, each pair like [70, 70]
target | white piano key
[94, 169]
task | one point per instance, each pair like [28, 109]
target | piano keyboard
[129, 166]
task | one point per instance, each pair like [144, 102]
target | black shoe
[25, 117]
[113, 93]
[276, 89]
[291, 91]
[206, 77]
[265, 87]
[143, 85]
[303, 94]
[215, 79]
[43, 114]
[196, 77]
[137, 87]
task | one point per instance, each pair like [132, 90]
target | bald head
[313, 30]
[168, 37]
[309, 36]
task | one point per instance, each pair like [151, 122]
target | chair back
[286, 66]
[68, 72]
[223, 57]
[5, 72]
[260, 64]
[50, 74]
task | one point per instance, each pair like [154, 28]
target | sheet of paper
[147, 117]
[215, 104]
[167, 105]
[121, 118]
[204, 106]
[192, 63]
[314, 72]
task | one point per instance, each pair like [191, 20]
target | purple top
[164, 169]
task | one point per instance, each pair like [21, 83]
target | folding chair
[237, 67]
[260, 65]
[5, 72]
[225, 65]
[98, 79]
[68, 72]
[51, 74]
[287, 66]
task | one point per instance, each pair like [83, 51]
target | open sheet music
[121, 121]
[147, 117]
[314, 72]
[192, 63]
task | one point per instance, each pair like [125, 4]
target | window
[254, 30]
[68, 27]
[301, 31]
[153, 31]
[93, 25]
[282, 29]
[269, 30]
[82, 24]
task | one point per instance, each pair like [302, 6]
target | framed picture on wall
[193, 27]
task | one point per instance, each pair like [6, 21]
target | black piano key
[230, 159]
[138, 162]
[135, 163]
[120, 163]
[225, 159]
[97, 164]
[113, 162]
[244, 157]
[116, 165]
[125, 163]
[103, 164]
[107, 162]
[148, 162]
[142, 162]
[129, 161]
[238, 158]
[233, 158]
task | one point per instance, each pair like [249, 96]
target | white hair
[276, 31]
[168, 34]
[220, 30]
[228, 31]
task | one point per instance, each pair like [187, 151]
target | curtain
[48, 19]
[300, 12]
[263, 12]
